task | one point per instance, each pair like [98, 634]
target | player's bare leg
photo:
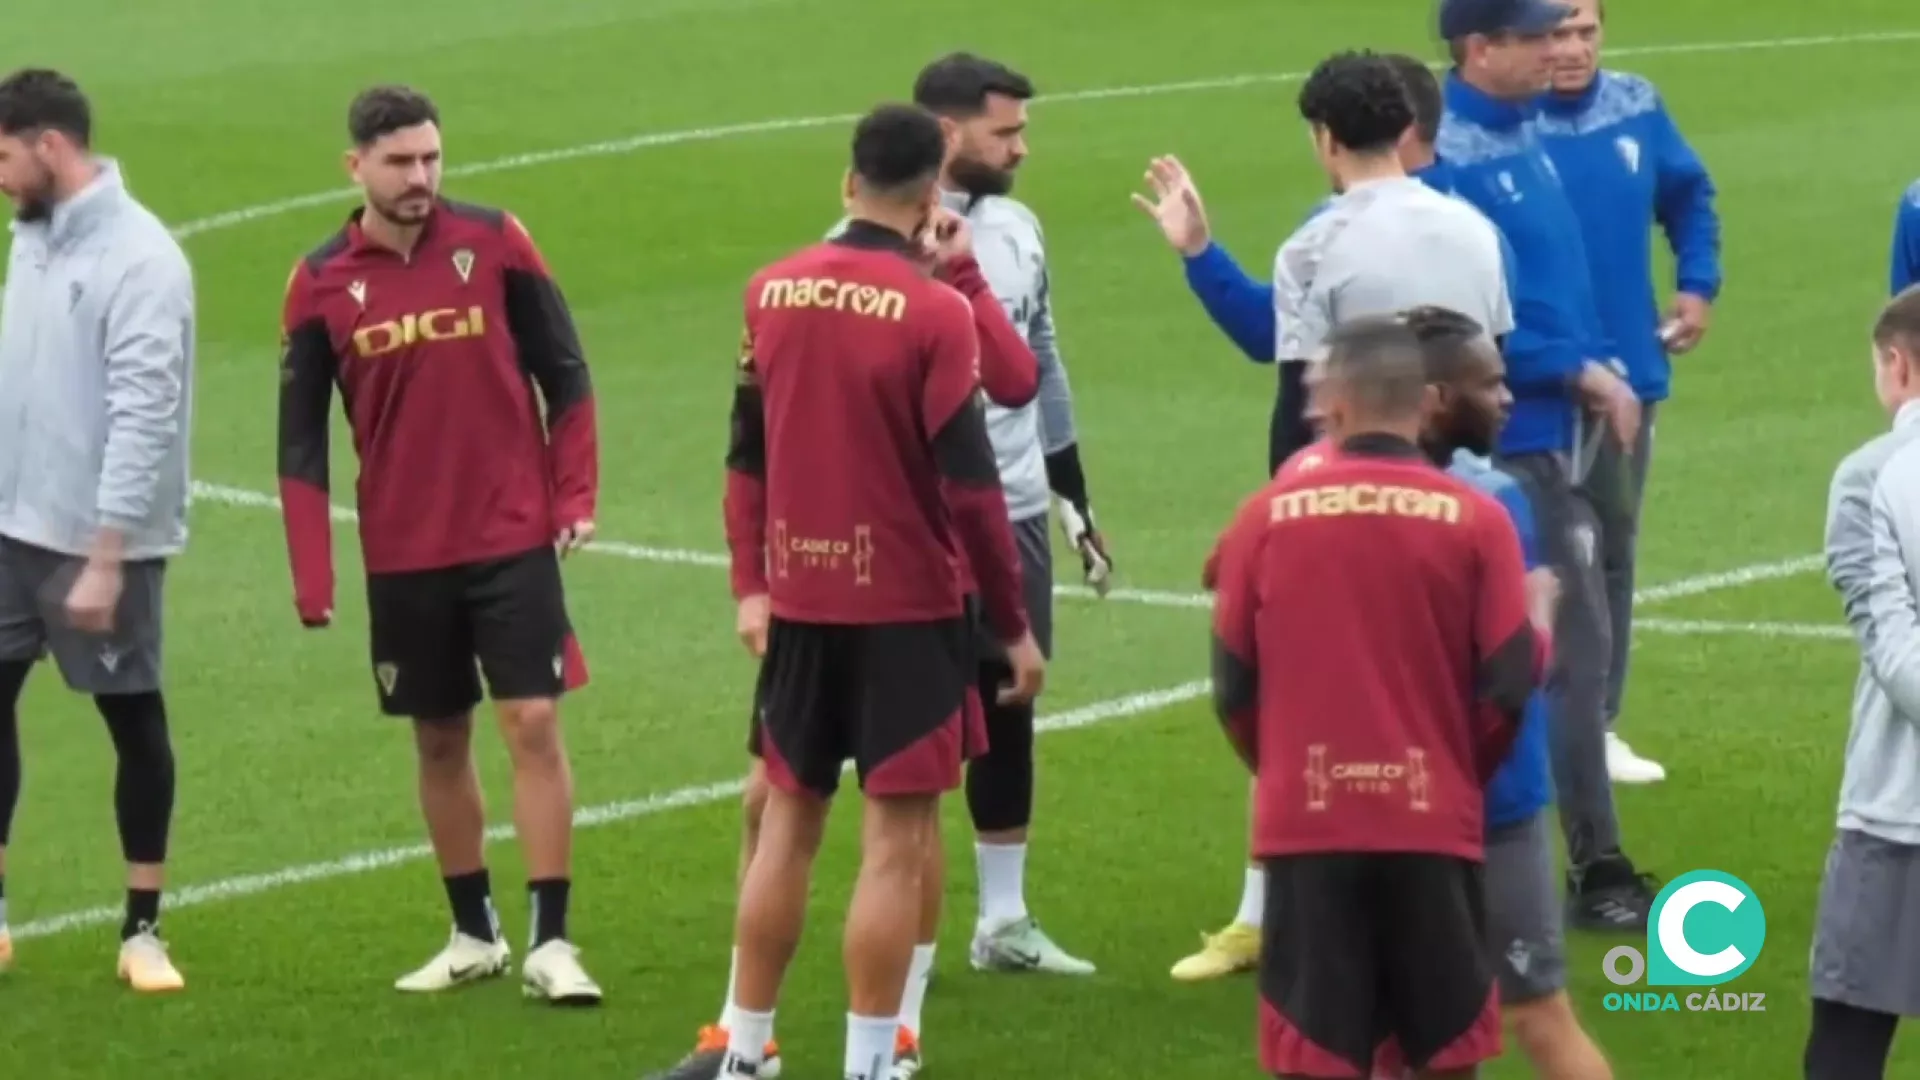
[1552, 1039]
[1236, 948]
[451, 804]
[773, 910]
[933, 884]
[543, 818]
[884, 923]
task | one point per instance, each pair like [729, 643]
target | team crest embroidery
[358, 290]
[387, 675]
[1629, 148]
[463, 264]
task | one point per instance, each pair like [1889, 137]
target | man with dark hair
[1374, 863]
[982, 107]
[1382, 275]
[96, 362]
[1563, 374]
[852, 492]
[438, 320]
[1627, 170]
[1864, 964]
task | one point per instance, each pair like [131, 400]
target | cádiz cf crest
[463, 264]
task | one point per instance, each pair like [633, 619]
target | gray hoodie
[96, 376]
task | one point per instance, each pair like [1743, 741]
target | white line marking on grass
[655, 140]
[1693, 586]
[1754, 629]
[234, 888]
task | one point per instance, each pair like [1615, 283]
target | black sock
[549, 909]
[143, 913]
[1848, 1043]
[472, 898]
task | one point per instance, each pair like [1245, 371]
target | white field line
[248, 885]
[658, 139]
[588, 817]
[1693, 586]
[1753, 629]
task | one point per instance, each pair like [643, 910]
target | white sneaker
[145, 966]
[552, 973]
[464, 960]
[1022, 946]
[1626, 767]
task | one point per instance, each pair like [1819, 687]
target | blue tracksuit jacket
[1626, 166]
[1500, 165]
[1906, 240]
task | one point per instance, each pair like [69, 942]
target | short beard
[34, 208]
[978, 179]
[391, 211]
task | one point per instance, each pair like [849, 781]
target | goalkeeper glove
[1076, 523]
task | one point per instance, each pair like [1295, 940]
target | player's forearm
[1067, 478]
[1009, 371]
[744, 504]
[1239, 305]
[970, 485]
[303, 465]
[1236, 700]
[550, 351]
[1539, 364]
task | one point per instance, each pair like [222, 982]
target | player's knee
[1000, 782]
[532, 729]
[753, 800]
[895, 834]
[1544, 1026]
[138, 725]
[443, 746]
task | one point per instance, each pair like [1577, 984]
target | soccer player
[439, 320]
[1558, 365]
[859, 471]
[1905, 264]
[1626, 168]
[1865, 972]
[1400, 669]
[96, 359]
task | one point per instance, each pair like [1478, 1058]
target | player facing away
[859, 475]
[438, 321]
[1372, 708]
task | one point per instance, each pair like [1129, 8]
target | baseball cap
[1461, 18]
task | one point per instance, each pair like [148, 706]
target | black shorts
[436, 632]
[1368, 955]
[893, 698]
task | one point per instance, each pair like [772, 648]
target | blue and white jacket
[1626, 166]
[1906, 240]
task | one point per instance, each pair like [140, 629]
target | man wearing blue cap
[1558, 367]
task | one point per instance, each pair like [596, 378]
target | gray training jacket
[1012, 253]
[1873, 562]
[96, 376]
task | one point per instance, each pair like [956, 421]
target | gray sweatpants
[1616, 486]
[1583, 653]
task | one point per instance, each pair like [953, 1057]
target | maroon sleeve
[308, 368]
[549, 346]
[745, 503]
[1236, 658]
[952, 411]
[1009, 371]
[1507, 649]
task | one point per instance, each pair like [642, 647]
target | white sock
[1253, 898]
[870, 1046]
[1003, 887]
[747, 1038]
[916, 993]
[733, 974]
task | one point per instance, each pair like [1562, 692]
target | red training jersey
[445, 358]
[1372, 652]
[859, 472]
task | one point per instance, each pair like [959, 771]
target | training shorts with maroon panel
[435, 633]
[1365, 950]
[893, 698]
